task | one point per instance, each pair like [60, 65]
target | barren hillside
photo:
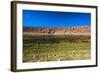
[81, 30]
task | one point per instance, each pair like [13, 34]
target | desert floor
[41, 48]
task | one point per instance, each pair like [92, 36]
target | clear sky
[33, 18]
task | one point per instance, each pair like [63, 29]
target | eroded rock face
[81, 29]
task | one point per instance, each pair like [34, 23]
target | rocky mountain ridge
[58, 30]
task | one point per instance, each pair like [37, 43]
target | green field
[56, 48]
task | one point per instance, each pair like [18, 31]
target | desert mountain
[82, 30]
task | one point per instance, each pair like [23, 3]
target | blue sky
[33, 18]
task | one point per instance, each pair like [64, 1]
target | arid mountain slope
[82, 30]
